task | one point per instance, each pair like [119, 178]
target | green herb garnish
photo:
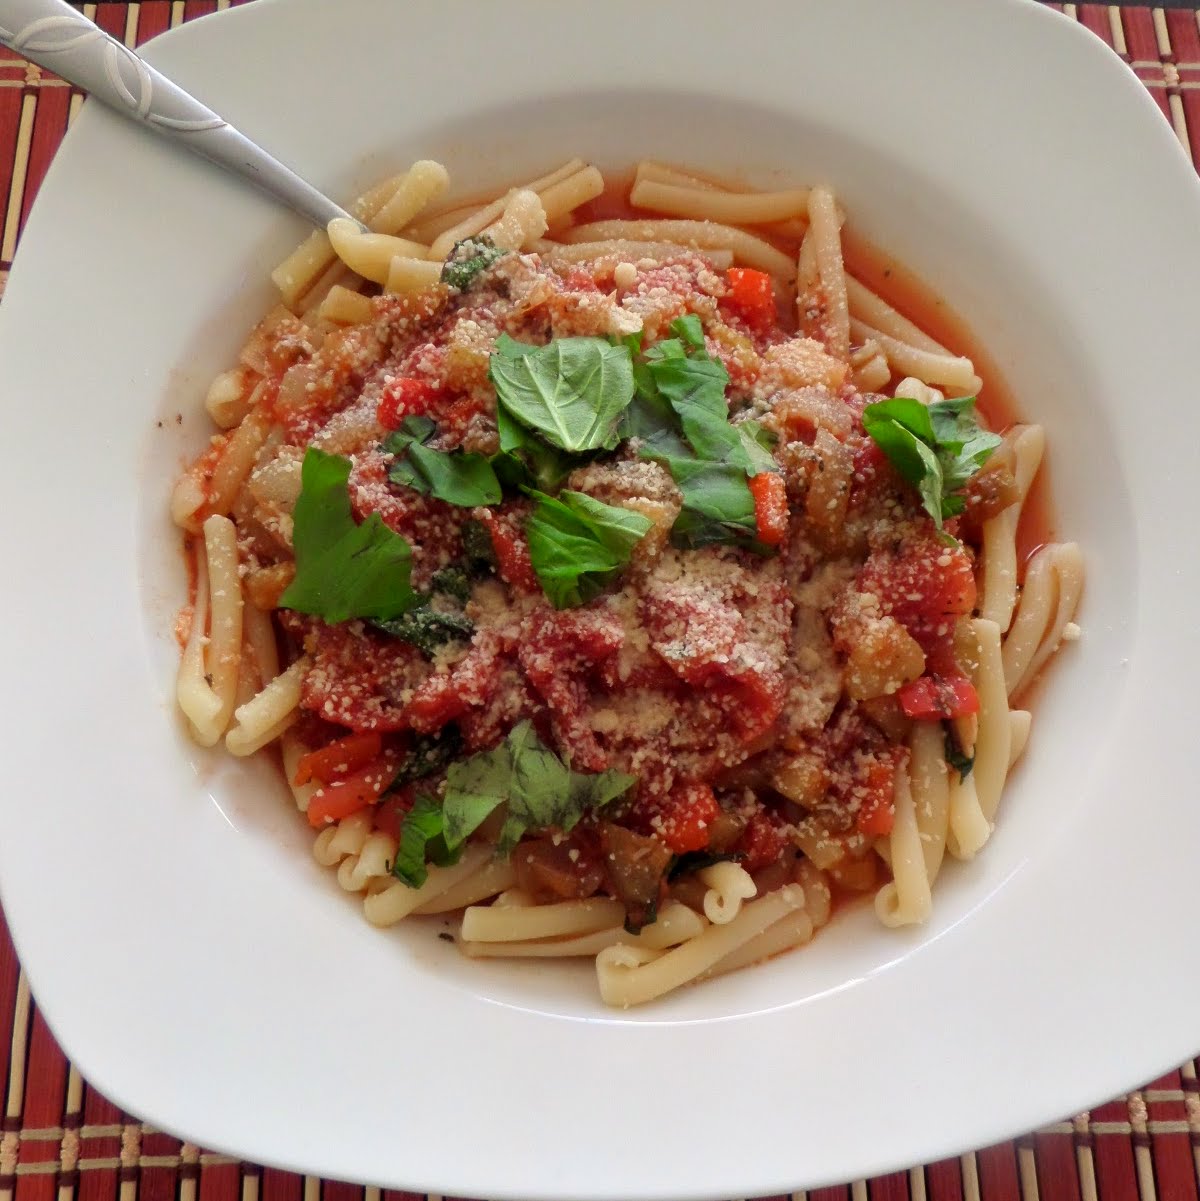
[454, 476]
[937, 448]
[578, 545]
[344, 569]
[468, 260]
[522, 773]
[422, 842]
[681, 418]
[571, 391]
[427, 629]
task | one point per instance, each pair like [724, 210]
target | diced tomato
[762, 842]
[353, 792]
[443, 696]
[770, 507]
[938, 698]
[877, 812]
[751, 296]
[683, 818]
[338, 759]
[512, 552]
[924, 585]
[403, 397]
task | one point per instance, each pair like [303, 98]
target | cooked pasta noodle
[703, 235]
[756, 668]
[1027, 444]
[906, 900]
[728, 885]
[1053, 584]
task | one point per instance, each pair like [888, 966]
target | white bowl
[185, 949]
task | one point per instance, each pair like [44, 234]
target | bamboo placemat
[61, 1140]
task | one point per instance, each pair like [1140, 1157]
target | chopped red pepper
[338, 759]
[352, 793]
[938, 698]
[401, 398]
[770, 507]
[751, 296]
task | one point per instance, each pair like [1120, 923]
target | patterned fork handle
[58, 37]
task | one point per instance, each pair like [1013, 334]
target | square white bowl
[997, 149]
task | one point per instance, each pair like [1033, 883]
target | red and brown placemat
[61, 1140]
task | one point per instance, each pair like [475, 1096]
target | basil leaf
[544, 792]
[458, 478]
[681, 417]
[572, 391]
[527, 460]
[478, 549]
[454, 476]
[936, 448]
[539, 789]
[453, 582]
[688, 329]
[578, 545]
[468, 260]
[474, 788]
[427, 755]
[427, 629]
[343, 569]
[421, 842]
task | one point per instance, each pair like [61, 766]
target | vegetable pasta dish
[615, 572]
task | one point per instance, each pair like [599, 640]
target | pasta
[576, 553]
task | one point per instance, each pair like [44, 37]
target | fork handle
[60, 38]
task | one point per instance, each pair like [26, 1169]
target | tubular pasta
[568, 194]
[346, 307]
[926, 365]
[702, 235]
[625, 250]
[228, 398]
[494, 877]
[676, 923]
[335, 366]
[523, 221]
[421, 184]
[411, 275]
[632, 976]
[290, 751]
[999, 568]
[1020, 722]
[709, 204]
[236, 462]
[482, 218]
[825, 230]
[297, 274]
[263, 718]
[395, 900]
[905, 900]
[489, 924]
[370, 255]
[224, 651]
[792, 930]
[874, 311]
[197, 700]
[1053, 584]
[929, 778]
[728, 885]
